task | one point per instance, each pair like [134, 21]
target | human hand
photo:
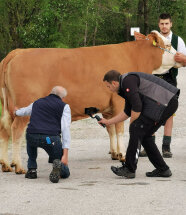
[15, 109]
[64, 160]
[180, 58]
[103, 121]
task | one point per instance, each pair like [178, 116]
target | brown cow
[31, 73]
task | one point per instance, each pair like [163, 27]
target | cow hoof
[12, 164]
[121, 157]
[114, 156]
[6, 168]
[19, 170]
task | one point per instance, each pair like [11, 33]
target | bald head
[59, 91]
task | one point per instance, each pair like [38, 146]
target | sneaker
[143, 153]
[31, 174]
[123, 171]
[167, 153]
[159, 173]
[55, 174]
[65, 172]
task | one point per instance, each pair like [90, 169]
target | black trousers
[168, 77]
[141, 131]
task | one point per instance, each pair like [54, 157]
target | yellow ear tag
[154, 43]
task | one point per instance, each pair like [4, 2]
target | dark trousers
[141, 131]
[54, 150]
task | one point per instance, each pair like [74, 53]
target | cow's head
[168, 51]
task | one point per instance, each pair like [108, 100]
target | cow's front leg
[120, 141]
[17, 138]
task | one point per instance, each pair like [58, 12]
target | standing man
[149, 101]
[49, 118]
[165, 25]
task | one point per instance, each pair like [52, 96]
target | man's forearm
[134, 116]
[64, 158]
[118, 118]
[25, 111]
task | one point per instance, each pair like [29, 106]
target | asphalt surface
[92, 188]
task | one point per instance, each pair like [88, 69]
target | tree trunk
[128, 28]
[95, 32]
[140, 13]
[146, 17]
[86, 31]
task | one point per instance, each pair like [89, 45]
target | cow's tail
[6, 119]
[6, 101]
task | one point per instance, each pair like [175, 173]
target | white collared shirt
[65, 122]
[181, 45]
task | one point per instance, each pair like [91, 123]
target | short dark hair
[111, 75]
[165, 16]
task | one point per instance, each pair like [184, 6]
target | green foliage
[75, 23]
[176, 8]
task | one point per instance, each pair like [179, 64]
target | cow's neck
[146, 57]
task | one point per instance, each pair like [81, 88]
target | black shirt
[129, 91]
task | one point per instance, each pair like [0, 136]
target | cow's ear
[139, 36]
[154, 38]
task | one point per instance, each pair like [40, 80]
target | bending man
[149, 101]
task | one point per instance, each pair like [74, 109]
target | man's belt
[164, 76]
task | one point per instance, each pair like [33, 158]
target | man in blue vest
[165, 25]
[49, 118]
[149, 101]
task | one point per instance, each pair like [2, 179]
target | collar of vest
[53, 95]
[120, 80]
[120, 83]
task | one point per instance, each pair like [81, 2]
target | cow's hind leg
[117, 107]
[4, 161]
[120, 141]
[113, 144]
[112, 135]
[17, 137]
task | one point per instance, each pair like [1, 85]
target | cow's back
[33, 72]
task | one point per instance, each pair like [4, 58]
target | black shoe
[123, 171]
[143, 153]
[31, 174]
[65, 172]
[167, 154]
[166, 151]
[55, 174]
[159, 173]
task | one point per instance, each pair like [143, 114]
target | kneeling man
[49, 118]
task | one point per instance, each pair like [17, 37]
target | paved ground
[92, 188]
